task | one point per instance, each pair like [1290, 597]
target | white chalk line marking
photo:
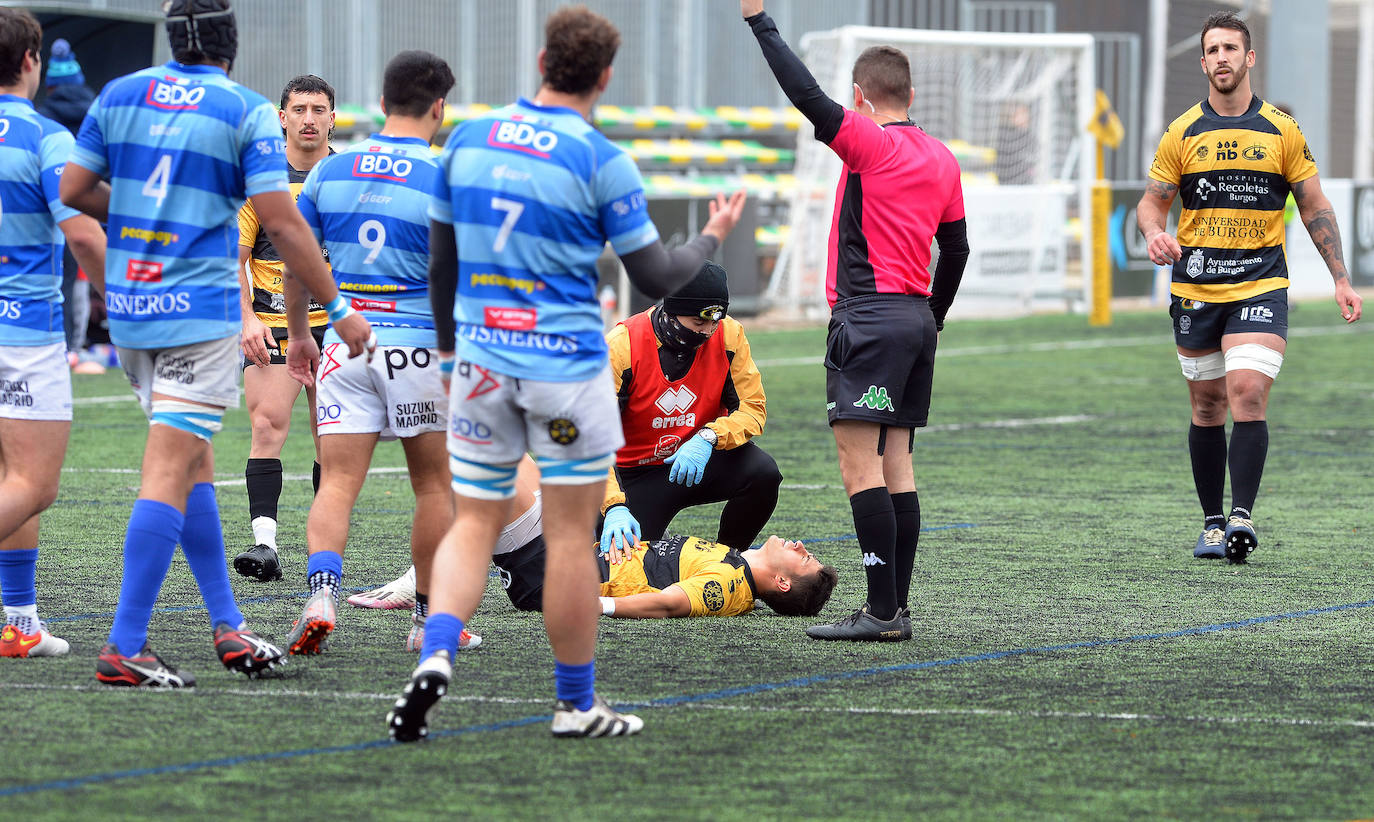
[1008, 714]
[266, 692]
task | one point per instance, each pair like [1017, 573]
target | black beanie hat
[707, 290]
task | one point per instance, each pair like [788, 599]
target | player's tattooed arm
[1161, 190]
[1152, 215]
[1320, 219]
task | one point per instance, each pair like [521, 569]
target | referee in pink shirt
[898, 190]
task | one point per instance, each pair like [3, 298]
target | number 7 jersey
[182, 146]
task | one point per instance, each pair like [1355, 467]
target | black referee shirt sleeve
[949, 271]
[797, 83]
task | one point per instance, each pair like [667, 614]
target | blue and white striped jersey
[182, 146]
[369, 206]
[33, 150]
[534, 193]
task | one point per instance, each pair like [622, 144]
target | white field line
[112, 398]
[1104, 717]
[261, 693]
[1058, 345]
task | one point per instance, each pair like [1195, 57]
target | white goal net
[1013, 108]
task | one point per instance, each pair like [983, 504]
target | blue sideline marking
[684, 699]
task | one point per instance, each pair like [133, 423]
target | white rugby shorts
[398, 395]
[495, 419]
[204, 372]
[35, 382]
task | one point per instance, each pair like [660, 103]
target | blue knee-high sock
[150, 542]
[575, 683]
[442, 632]
[18, 570]
[202, 540]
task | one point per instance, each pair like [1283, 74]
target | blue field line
[683, 699]
[181, 609]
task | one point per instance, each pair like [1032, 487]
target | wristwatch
[708, 435]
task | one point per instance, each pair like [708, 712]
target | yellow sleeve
[715, 593]
[1168, 164]
[1298, 162]
[614, 494]
[745, 404]
[248, 225]
[618, 345]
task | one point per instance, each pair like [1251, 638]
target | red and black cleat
[146, 670]
[243, 651]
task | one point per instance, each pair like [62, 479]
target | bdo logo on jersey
[382, 167]
[522, 137]
[174, 95]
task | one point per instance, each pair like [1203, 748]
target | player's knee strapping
[481, 481]
[1207, 367]
[573, 472]
[200, 420]
[1254, 357]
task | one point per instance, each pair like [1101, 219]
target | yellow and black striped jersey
[1233, 176]
[265, 267]
[715, 577]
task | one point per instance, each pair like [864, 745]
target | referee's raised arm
[792, 75]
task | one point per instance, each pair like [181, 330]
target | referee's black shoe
[862, 626]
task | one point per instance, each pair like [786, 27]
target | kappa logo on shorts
[563, 431]
[875, 398]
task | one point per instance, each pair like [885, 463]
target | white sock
[23, 617]
[265, 532]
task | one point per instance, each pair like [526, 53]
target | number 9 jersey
[181, 146]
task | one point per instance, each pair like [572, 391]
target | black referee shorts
[880, 360]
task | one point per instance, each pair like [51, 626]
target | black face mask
[675, 336]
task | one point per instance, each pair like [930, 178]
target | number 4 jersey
[369, 207]
[182, 146]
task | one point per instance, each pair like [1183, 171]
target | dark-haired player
[307, 121]
[369, 206]
[529, 197]
[1233, 158]
[181, 145]
[35, 385]
[898, 190]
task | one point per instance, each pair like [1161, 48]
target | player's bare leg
[427, 461]
[570, 604]
[271, 394]
[31, 455]
[1247, 395]
[345, 459]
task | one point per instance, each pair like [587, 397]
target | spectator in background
[67, 99]
[1015, 162]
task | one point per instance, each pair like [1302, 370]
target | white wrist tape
[607, 605]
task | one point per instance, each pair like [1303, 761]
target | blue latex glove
[690, 461]
[621, 524]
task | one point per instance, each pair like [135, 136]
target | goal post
[1013, 108]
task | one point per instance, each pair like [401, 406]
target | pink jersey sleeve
[954, 209]
[860, 142]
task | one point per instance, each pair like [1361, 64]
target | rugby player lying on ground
[671, 577]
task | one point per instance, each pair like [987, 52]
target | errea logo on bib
[173, 95]
[522, 137]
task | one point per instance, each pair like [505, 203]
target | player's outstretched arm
[670, 602]
[1152, 214]
[86, 239]
[658, 272]
[1320, 219]
[83, 190]
[796, 81]
[296, 245]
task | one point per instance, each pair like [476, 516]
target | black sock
[907, 509]
[315, 477]
[1207, 448]
[1249, 446]
[264, 487]
[876, 526]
